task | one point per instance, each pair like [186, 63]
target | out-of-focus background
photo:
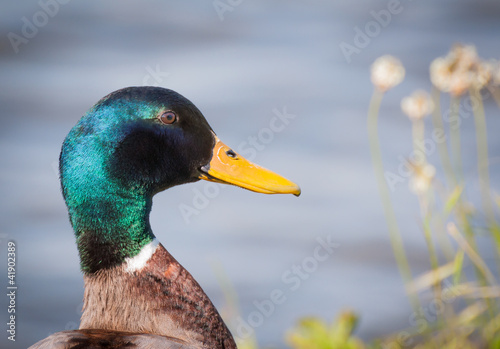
[287, 84]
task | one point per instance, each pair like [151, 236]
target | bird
[131, 145]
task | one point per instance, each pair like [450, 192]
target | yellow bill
[228, 167]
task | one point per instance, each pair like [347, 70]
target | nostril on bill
[231, 154]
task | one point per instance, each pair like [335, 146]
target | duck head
[132, 144]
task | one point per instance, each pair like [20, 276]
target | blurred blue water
[262, 56]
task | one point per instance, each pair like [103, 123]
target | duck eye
[168, 117]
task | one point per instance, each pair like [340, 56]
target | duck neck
[111, 224]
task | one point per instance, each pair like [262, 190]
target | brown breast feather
[162, 299]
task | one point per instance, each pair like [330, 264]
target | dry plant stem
[437, 122]
[461, 211]
[439, 219]
[485, 276]
[464, 220]
[483, 164]
[482, 153]
[492, 328]
[394, 233]
[418, 130]
[426, 214]
[495, 92]
[456, 148]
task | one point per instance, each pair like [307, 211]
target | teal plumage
[109, 196]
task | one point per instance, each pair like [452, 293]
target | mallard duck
[131, 145]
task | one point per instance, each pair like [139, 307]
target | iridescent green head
[132, 144]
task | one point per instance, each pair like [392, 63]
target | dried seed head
[387, 72]
[495, 79]
[484, 74]
[422, 178]
[465, 56]
[418, 105]
[460, 70]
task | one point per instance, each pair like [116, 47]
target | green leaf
[453, 199]
[457, 266]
